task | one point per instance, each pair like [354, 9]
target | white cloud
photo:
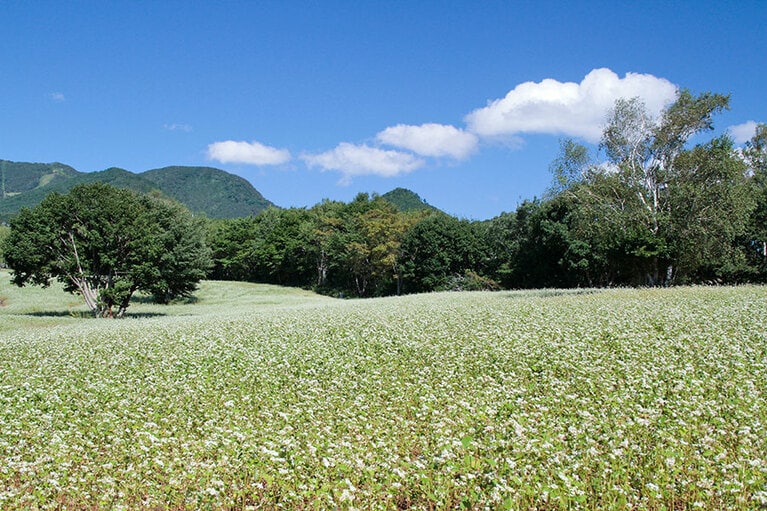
[58, 97]
[359, 160]
[572, 109]
[253, 153]
[742, 133]
[186, 128]
[430, 140]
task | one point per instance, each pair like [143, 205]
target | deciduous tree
[105, 244]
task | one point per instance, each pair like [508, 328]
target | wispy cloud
[436, 140]
[568, 108]
[186, 128]
[58, 97]
[359, 160]
[253, 153]
[742, 133]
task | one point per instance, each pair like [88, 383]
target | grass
[257, 397]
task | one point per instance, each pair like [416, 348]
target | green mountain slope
[116, 177]
[20, 177]
[203, 190]
[210, 191]
[406, 200]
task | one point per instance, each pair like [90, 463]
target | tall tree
[755, 242]
[230, 242]
[4, 232]
[437, 248]
[634, 206]
[710, 201]
[105, 244]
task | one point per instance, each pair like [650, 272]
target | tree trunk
[89, 294]
[322, 269]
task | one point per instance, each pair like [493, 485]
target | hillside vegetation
[407, 201]
[207, 190]
[204, 190]
[17, 178]
[260, 397]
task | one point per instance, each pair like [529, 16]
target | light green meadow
[260, 397]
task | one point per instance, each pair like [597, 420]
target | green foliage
[435, 249]
[711, 202]
[754, 242]
[537, 247]
[107, 243]
[17, 178]
[274, 247]
[470, 281]
[4, 232]
[335, 248]
[656, 211]
[208, 191]
[570, 166]
[407, 201]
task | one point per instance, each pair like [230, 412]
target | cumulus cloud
[359, 160]
[569, 108]
[431, 139]
[253, 153]
[742, 133]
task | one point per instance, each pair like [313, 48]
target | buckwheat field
[258, 397]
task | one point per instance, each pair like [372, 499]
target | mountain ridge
[208, 191]
[204, 190]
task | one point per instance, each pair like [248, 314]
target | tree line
[658, 204]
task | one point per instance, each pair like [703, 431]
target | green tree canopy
[656, 209]
[436, 249]
[105, 244]
[4, 232]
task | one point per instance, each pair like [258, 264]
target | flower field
[256, 397]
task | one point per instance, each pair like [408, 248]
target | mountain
[204, 190]
[406, 200]
[16, 178]
[213, 192]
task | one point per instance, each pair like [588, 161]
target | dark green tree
[105, 244]
[710, 201]
[436, 249]
[657, 210]
[537, 246]
[230, 242]
[754, 242]
[4, 232]
[280, 251]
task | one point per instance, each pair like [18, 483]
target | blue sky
[463, 102]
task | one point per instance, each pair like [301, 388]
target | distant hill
[15, 200]
[213, 192]
[204, 190]
[16, 178]
[406, 200]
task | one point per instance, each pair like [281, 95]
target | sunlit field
[260, 397]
